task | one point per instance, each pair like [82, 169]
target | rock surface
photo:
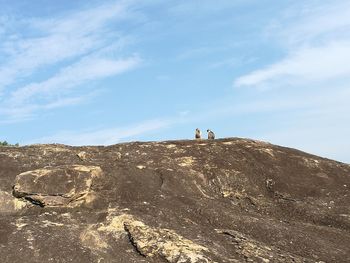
[227, 200]
[64, 185]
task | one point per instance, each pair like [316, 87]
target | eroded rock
[10, 204]
[254, 251]
[166, 243]
[82, 155]
[152, 242]
[177, 201]
[56, 186]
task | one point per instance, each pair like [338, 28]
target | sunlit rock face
[226, 200]
[67, 185]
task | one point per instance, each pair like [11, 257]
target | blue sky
[103, 72]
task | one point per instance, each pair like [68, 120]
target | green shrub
[5, 143]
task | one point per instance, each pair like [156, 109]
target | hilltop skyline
[104, 72]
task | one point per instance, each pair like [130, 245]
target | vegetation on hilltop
[5, 143]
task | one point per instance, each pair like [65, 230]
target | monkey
[198, 135]
[211, 135]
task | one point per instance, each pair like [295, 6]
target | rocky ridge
[227, 200]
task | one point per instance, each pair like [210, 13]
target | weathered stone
[150, 241]
[56, 186]
[82, 156]
[226, 200]
[165, 243]
[10, 204]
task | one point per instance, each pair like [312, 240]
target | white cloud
[306, 92]
[114, 135]
[56, 91]
[49, 41]
[24, 112]
[316, 41]
[311, 64]
[76, 48]
[104, 136]
[314, 22]
[87, 69]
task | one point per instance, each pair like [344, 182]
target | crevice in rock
[17, 194]
[284, 197]
[71, 187]
[233, 234]
[34, 198]
[161, 177]
[132, 242]
[34, 201]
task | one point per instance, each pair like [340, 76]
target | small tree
[5, 143]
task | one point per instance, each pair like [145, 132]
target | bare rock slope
[227, 200]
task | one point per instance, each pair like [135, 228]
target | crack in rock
[254, 251]
[167, 244]
[156, 242]
[56, 186]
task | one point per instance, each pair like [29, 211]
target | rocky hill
[227, 200]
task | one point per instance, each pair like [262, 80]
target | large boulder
[66, 185]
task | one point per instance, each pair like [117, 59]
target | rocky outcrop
[149, 242]
[164, 243]
[67, 185]
[227, 200]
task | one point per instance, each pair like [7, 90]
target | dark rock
[56, 186]
[227, 200]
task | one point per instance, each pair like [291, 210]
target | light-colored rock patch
[185, 161]
[50, 223]
[151, 242]
[93, 239]
[10, 204]
[268, 151]
[68, 185]
[311, 163]
[82, 156]
[116, 225]
[52, 148]
[170, 146]
[166, 243]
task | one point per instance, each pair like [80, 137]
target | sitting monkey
[198, 135]
[211, 135]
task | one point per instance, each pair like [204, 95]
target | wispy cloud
[312, 22]
[306, 91]
[112, 135]
[87, 69]
[105, 136]
[26, 111]
[309, 64]
[76, 47]
[49, 41]
[316, 41]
